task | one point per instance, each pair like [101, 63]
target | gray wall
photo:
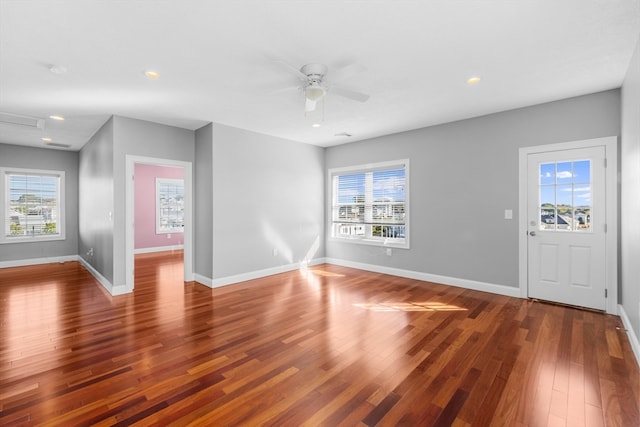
[463, 176]
[630, 209]
[96, 201]
[140, 138]
[267, 194]
[103, 185]
[42, 158]
[203, 202]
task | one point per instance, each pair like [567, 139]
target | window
[32, 205]
[370, 203]
[565, 196]
[169, 205]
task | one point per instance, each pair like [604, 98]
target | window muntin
[565, 196]
[169, 205]
[370, 203]
[32, 205]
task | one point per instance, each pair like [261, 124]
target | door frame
[129, 214]
[610, 144]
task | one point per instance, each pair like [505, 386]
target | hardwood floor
[330, 346]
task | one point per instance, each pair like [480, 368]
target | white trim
[610, 144]
[444, 280]
[203, 280]
[633, 338]
[243, 277]
[38, 261]
[130, 162]
[158, 249]
[99, 277]
[435, 278]
[111, 289]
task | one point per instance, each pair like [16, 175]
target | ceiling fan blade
[309, 105]
[284, 90]
[293, 70]
[356, 96]
[346, 72]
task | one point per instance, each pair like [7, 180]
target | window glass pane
[351, 188]
[582, 172]
[564, 207]
[564, 173]
[547, 217]
[565, 203]
[32, 205]
[547, 173]
[388, 186]
[582, 201]
[548, 207]
[170, 196]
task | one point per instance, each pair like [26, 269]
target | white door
[566, 226]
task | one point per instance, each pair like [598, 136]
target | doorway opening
[158, 214]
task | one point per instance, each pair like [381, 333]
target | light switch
[508, 214]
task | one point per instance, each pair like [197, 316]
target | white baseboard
[633, 338]
[445, 280]
[243, 277]
[158, 249]
[435, 278]
[203, 280]
[113, 290]
[37, 261]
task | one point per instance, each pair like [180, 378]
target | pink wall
[145, 206]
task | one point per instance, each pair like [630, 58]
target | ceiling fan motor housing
[314, 71]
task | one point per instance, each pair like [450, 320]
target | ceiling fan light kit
[314, 92]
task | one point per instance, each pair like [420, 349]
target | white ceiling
[218, 61]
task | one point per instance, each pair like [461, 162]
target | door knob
[532, 233]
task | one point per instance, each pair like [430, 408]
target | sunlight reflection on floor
[409, 306]
[324, 273]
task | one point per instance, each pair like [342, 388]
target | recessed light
[56, 117]
[315, 125]
[152, 74]
[46, 139]
[473, 80]
[57, 69]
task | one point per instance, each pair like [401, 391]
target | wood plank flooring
[330, 346]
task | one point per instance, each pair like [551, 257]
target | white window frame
[365, 237]
[4, 204]
[160, 181]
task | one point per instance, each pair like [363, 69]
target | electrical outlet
[389, 251]
[275, 251]
[90, 252]
[168, 235]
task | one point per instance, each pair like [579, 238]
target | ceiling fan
[315, 86]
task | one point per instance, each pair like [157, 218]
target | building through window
[33, 205]
[370, 203]
[169, 205]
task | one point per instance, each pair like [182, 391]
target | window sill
[372, 242]
[27, 239]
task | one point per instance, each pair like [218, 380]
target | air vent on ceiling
[56, 144]
[18, 120]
